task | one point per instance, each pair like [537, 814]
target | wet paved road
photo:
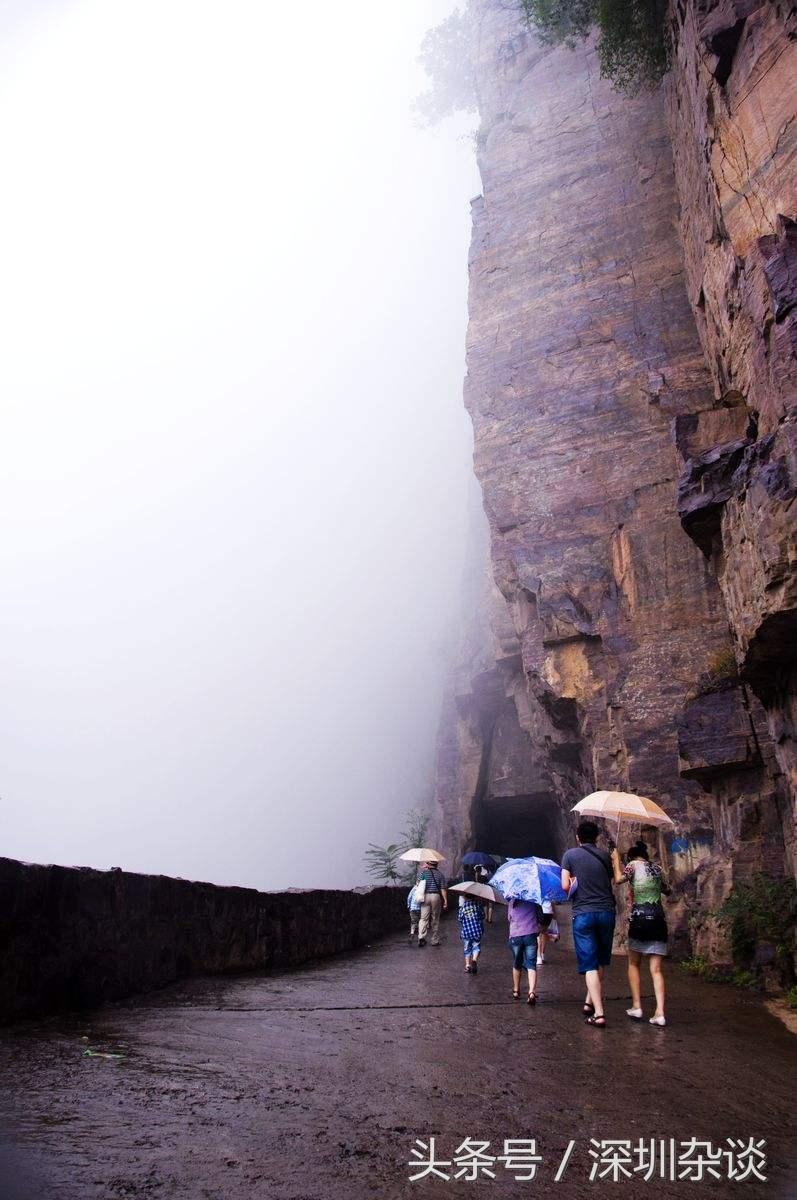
[315, 1083]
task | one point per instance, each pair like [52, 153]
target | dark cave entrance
[516, 826]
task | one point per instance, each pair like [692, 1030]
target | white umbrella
[622, 806]
[482, 890]
[422, 854]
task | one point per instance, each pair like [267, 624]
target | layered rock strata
[732, 111]
[608, 661]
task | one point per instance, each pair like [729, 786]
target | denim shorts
[472, 947]
[593, 933]
[524, 951]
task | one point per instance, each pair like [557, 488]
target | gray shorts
[647, 947]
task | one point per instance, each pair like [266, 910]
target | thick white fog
[235, 462]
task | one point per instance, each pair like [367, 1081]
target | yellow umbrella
[622, 806]
[422, 854]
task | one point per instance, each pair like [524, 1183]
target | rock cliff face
[604, 656]
[732, 110]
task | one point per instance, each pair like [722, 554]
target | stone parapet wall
[74, 937]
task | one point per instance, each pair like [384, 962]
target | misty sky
[235, 462]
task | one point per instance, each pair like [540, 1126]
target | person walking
[550, 933]
[414, 905]
[471, 916]
[647, 927]
[525, 923]
[594, 912]
[435, 900]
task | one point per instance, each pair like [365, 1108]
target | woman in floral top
[647, 927]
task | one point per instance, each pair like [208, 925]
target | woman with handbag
[647, 927]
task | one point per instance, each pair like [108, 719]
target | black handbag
[647, 923]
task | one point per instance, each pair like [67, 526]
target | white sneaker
[634, 1013]
[657, 1021]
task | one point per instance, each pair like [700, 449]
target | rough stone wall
[583, 361]
[74, 937]
[732, 105]
[492, 777]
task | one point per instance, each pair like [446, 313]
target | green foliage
[417, 827]
[744, 979]
[721, 671]
[703, 969]
[791, 998]
[445, 57]
[382, 861]
[565, 21]
[633, 49]
[723, 665]
[697, 965]
[755, 915]
[763, 910]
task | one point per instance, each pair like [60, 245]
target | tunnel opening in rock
[516, 826]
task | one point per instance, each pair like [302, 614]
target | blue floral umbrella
[534, 879]
[477, 858]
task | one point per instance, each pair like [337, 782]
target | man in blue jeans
[593, 913]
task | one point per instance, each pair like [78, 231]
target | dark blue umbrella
[477, 858]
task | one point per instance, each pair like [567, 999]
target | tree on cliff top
[445, 57]
[632, 45]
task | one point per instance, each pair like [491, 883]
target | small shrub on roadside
[744, 979]
[762, 911]
[703, 969]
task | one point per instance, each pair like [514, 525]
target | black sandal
[532, 999]
[516, 995]
[588, 1009]
[598, 1022]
